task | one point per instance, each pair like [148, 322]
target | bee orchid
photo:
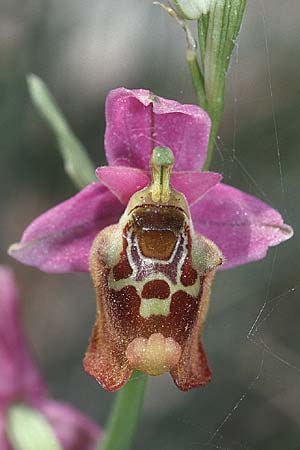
[152, 239]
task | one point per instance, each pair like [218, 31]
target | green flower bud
[27, 429]
[192, 9]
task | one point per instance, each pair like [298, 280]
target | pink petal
[137, 121]
[194, 185]
[125, 181]
[74, 430]
[60, 239]
[19, 378]
[242, 226]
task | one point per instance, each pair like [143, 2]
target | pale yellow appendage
[153, 356]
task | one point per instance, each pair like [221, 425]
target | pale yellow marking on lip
[115, 247]
[154, 307]
[155, 355]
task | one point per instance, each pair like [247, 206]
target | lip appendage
[152, 274]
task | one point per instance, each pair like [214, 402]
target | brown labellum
[152, 274]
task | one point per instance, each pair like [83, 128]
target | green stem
[202, 35]
[197, 77]
[215, 112]
[125, 415]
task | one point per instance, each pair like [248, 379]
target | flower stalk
[197, 77]
[191, 55]
[202, 34]
[125, 415]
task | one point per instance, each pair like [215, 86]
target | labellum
[152, 274]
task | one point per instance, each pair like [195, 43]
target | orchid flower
[242, 226]
[222, 225]
[22, 384]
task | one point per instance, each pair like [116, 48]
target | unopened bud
[192, 9]
[27, 429]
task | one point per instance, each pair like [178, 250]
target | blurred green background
[82, 49]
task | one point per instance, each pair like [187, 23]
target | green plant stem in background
[215, 113]
[76, 160]
[191, 55]
[197, 77]
[217, 33]
[202, 34]
[125, 415]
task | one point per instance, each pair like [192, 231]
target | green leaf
[27, 429]
[77, 163]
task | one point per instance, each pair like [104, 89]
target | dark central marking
[157, 230]
[157, 244]
[156, 289]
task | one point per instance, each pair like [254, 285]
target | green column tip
[162, 156]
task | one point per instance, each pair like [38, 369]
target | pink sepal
[242, 226]
[60, 239]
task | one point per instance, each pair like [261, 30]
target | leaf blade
[77, 163]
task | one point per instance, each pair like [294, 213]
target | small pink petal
[122, 181]
[125, 181]
[60, 239]
[19, 378]
[137, 121]
[194, 184]
[74, 430]
[242, 226]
